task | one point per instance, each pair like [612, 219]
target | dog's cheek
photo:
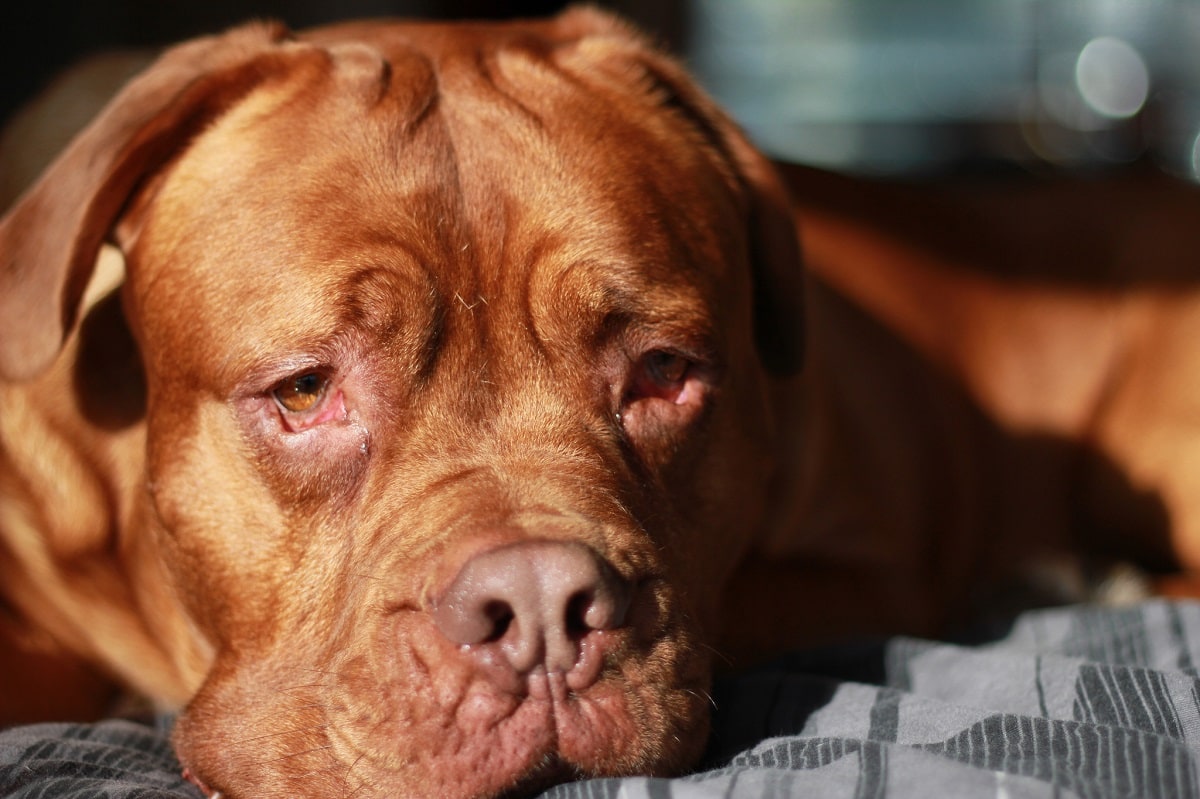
[324, 471]
[719, 475]
[228, 506]
[215, 565]
[663, 432]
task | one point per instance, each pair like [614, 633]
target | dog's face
[456, 419]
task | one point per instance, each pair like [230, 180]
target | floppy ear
[775, 255]
[774, 246]
[50, 238]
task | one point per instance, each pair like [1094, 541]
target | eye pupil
[301, 393]
[667, 367]
[308, 384]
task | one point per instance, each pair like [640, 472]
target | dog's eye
[660, 375]
[666, 368]
[665, 392]
[302, 393]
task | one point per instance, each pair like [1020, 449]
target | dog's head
[457, 343]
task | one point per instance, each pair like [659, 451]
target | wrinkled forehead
[452, 167]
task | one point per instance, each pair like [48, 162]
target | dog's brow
[395, 307]
[491, 71]
[368, 299]
[620, 308]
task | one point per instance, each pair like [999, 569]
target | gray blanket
[1080, 701]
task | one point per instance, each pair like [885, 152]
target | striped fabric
[1081, 701]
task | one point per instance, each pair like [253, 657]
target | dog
[427, 410]
[406, 436]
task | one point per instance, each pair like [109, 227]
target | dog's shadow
[109, 380]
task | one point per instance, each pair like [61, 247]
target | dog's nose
[533, 603]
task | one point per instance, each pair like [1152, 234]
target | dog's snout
[533, 603]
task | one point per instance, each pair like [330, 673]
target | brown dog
[439, 421]
[443, 424]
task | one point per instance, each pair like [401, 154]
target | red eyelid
[332, 406]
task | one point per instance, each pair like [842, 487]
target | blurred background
[875, 86]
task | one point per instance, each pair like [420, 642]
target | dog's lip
[596, 659]
[554, 732]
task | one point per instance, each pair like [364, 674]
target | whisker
[319, 671]
[295, 754]
[310, 706]
[705, 695]
[301, 687]
[724, 658]
[328, 770]
[346, 777]
[280, 733]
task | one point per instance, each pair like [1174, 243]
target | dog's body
[442, 414]
[997, 404]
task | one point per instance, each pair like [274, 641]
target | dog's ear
[775, 255]
[50, 238]
[775, 249]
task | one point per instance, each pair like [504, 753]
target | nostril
[501, 616]
[602, 608]
[578, 607]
